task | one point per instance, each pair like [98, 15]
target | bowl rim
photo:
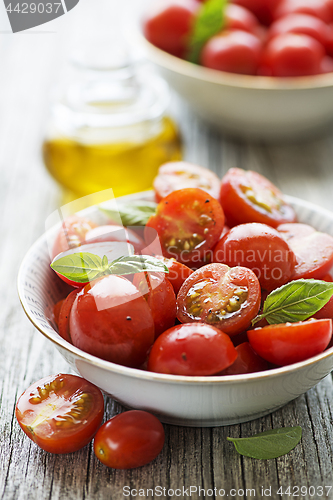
[250, 82]
[109, 366]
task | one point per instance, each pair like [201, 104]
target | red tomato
[247, 361]
[262, 9]
[71, 234]
[302, 24]
[161, 298]
[313, 250]
[233, 51]
[325, 312]
[168, 24]
[114, 233]
[178, 272]
[329, 41]
[289, 343]
[189, 223]
[239, 18]
[110, 319]
[60, 413]
[225, 298]
[191, 350]
[258, 247]
[327, 65]
[128, 440]
[247, 196]
[316, 8]
[180, 174]
[56, 311]
[64, 313]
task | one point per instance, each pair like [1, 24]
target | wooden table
[197, 457]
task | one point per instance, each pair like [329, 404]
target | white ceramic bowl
[250, 106]
[192, 401]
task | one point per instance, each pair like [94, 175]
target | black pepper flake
[166, 202]
[129, 318]
[207, 201]
[184, 356]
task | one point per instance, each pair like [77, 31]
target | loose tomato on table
[129, 440]
[226, 298]
[188, 222]
[60, 413]
[288, 343]
[192, 350]
[247, 196]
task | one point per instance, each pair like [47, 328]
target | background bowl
[193, 401]
[250, 106]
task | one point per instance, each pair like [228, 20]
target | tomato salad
[219, 281]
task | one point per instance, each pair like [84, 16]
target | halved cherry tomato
[128, 440]
[112, 232]
[71, 234]
[240, 18]
[247, 196]
[302, 24]
[227, 298]
[61, 413]
[316, 8]
[189, 223]
[313, 250]
[111, 319]
[191, 349]
[258, 247]
[161, 298]
[177, 175]
[64, 313]
[289, 343]
[262, 9]
[247, 361]
[178, 272]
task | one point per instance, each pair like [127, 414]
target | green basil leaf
[209, 22]
[137, 264]
[296, 301]
[268, 444]
[136, 213]
[81, 267]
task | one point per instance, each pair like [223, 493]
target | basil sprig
[136, 213]
[83, 267]
[269, 444]
[209, 22]
[296, 301]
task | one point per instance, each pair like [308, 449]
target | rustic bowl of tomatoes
[266, 73]
[208, 392]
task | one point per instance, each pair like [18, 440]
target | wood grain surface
[197, 457]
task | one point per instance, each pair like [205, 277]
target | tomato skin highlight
[240, 18]
[129, 440]
[289, 343]
[191, 350]
[60, 413]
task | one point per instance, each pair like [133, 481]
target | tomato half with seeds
[60, 413]
[224, 297]
[188, 222]
[71, 234]
[191, 350]
[289, 343]
[247, 196]
[313, 250]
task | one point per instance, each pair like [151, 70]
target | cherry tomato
[291, 54]
[327, 65]
[262, 9]
[64, 313]
[178, 272]
[110, 319]
[61, 413]
[316, 8]
[313, 250]
[289, 343]
[326, 311]
[113, 232]
[189, 223]
[71, 234]
[161, 298]
[168, 24]
[301, 24]
[56, 311]
[191, 350]
[258, 247]
[329, 40]
[247, 361]
[247, 196]
[225, 298]
[239, 18]
[233, 51]
[180, 174]
[128, 440]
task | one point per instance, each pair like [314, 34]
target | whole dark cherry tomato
[168, 24]
[234, 51]
[113, 232]
[61, 413]
[220, 296]
[240, 18]
[64, 313]
[313, 250]
[191, 350]
[329, 40]
[301, 24]
[110, 319]
[247, 361]
[71, 234]
[258, 247]
[161, 298]
[189, 223]
[56, 311]
[262, 9]
[128, 440]
[289, 343]
[178, 272]
[316, 8]
[177, 175]
[247, 196]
